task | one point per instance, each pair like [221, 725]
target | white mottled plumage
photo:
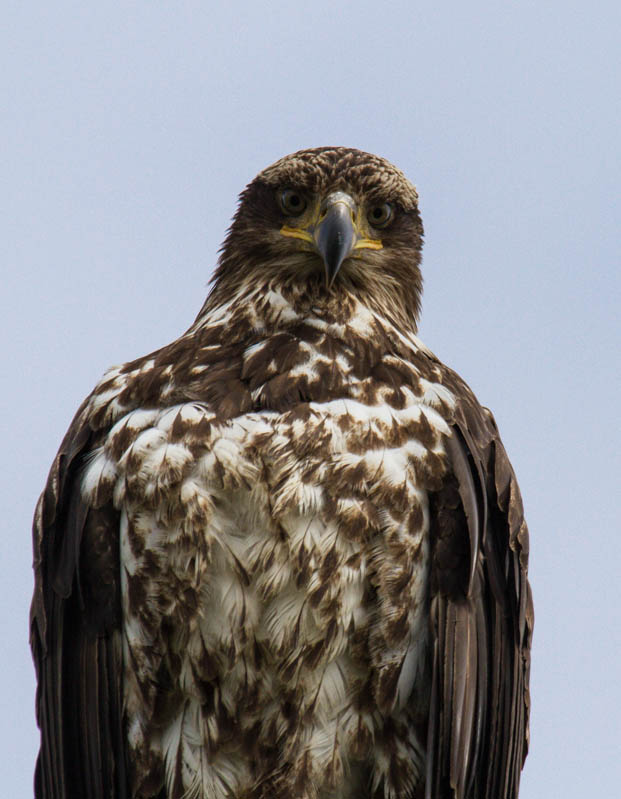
[247, 486]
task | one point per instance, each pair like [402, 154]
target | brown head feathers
[386, 279]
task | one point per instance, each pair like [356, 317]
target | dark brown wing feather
[75, 635]
[481, 616]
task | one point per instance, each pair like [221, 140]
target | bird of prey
[285, 555]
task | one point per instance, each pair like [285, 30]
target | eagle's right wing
[75, 634]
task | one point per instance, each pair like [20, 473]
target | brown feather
[292, 399]
[77, 656]
[491, 625]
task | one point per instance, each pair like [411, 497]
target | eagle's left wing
[481, 615]
[75, 634]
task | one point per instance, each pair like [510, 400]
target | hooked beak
[335, 233]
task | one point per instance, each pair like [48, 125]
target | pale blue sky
[130, 127]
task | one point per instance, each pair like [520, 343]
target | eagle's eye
[292, 202]
[380, 215]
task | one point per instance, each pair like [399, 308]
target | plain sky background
[129, 128]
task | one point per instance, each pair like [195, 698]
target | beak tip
[335, 238]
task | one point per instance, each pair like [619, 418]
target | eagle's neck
[266, 308]
[267, 346]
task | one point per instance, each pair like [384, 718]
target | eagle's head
[329, 222]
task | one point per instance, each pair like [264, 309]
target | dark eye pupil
[291, 202]
[380, 215]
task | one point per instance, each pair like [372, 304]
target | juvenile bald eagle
[285, 555]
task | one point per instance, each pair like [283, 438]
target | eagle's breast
[274, 571]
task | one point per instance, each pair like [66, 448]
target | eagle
[286, 555]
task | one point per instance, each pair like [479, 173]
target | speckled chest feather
[275, 552]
